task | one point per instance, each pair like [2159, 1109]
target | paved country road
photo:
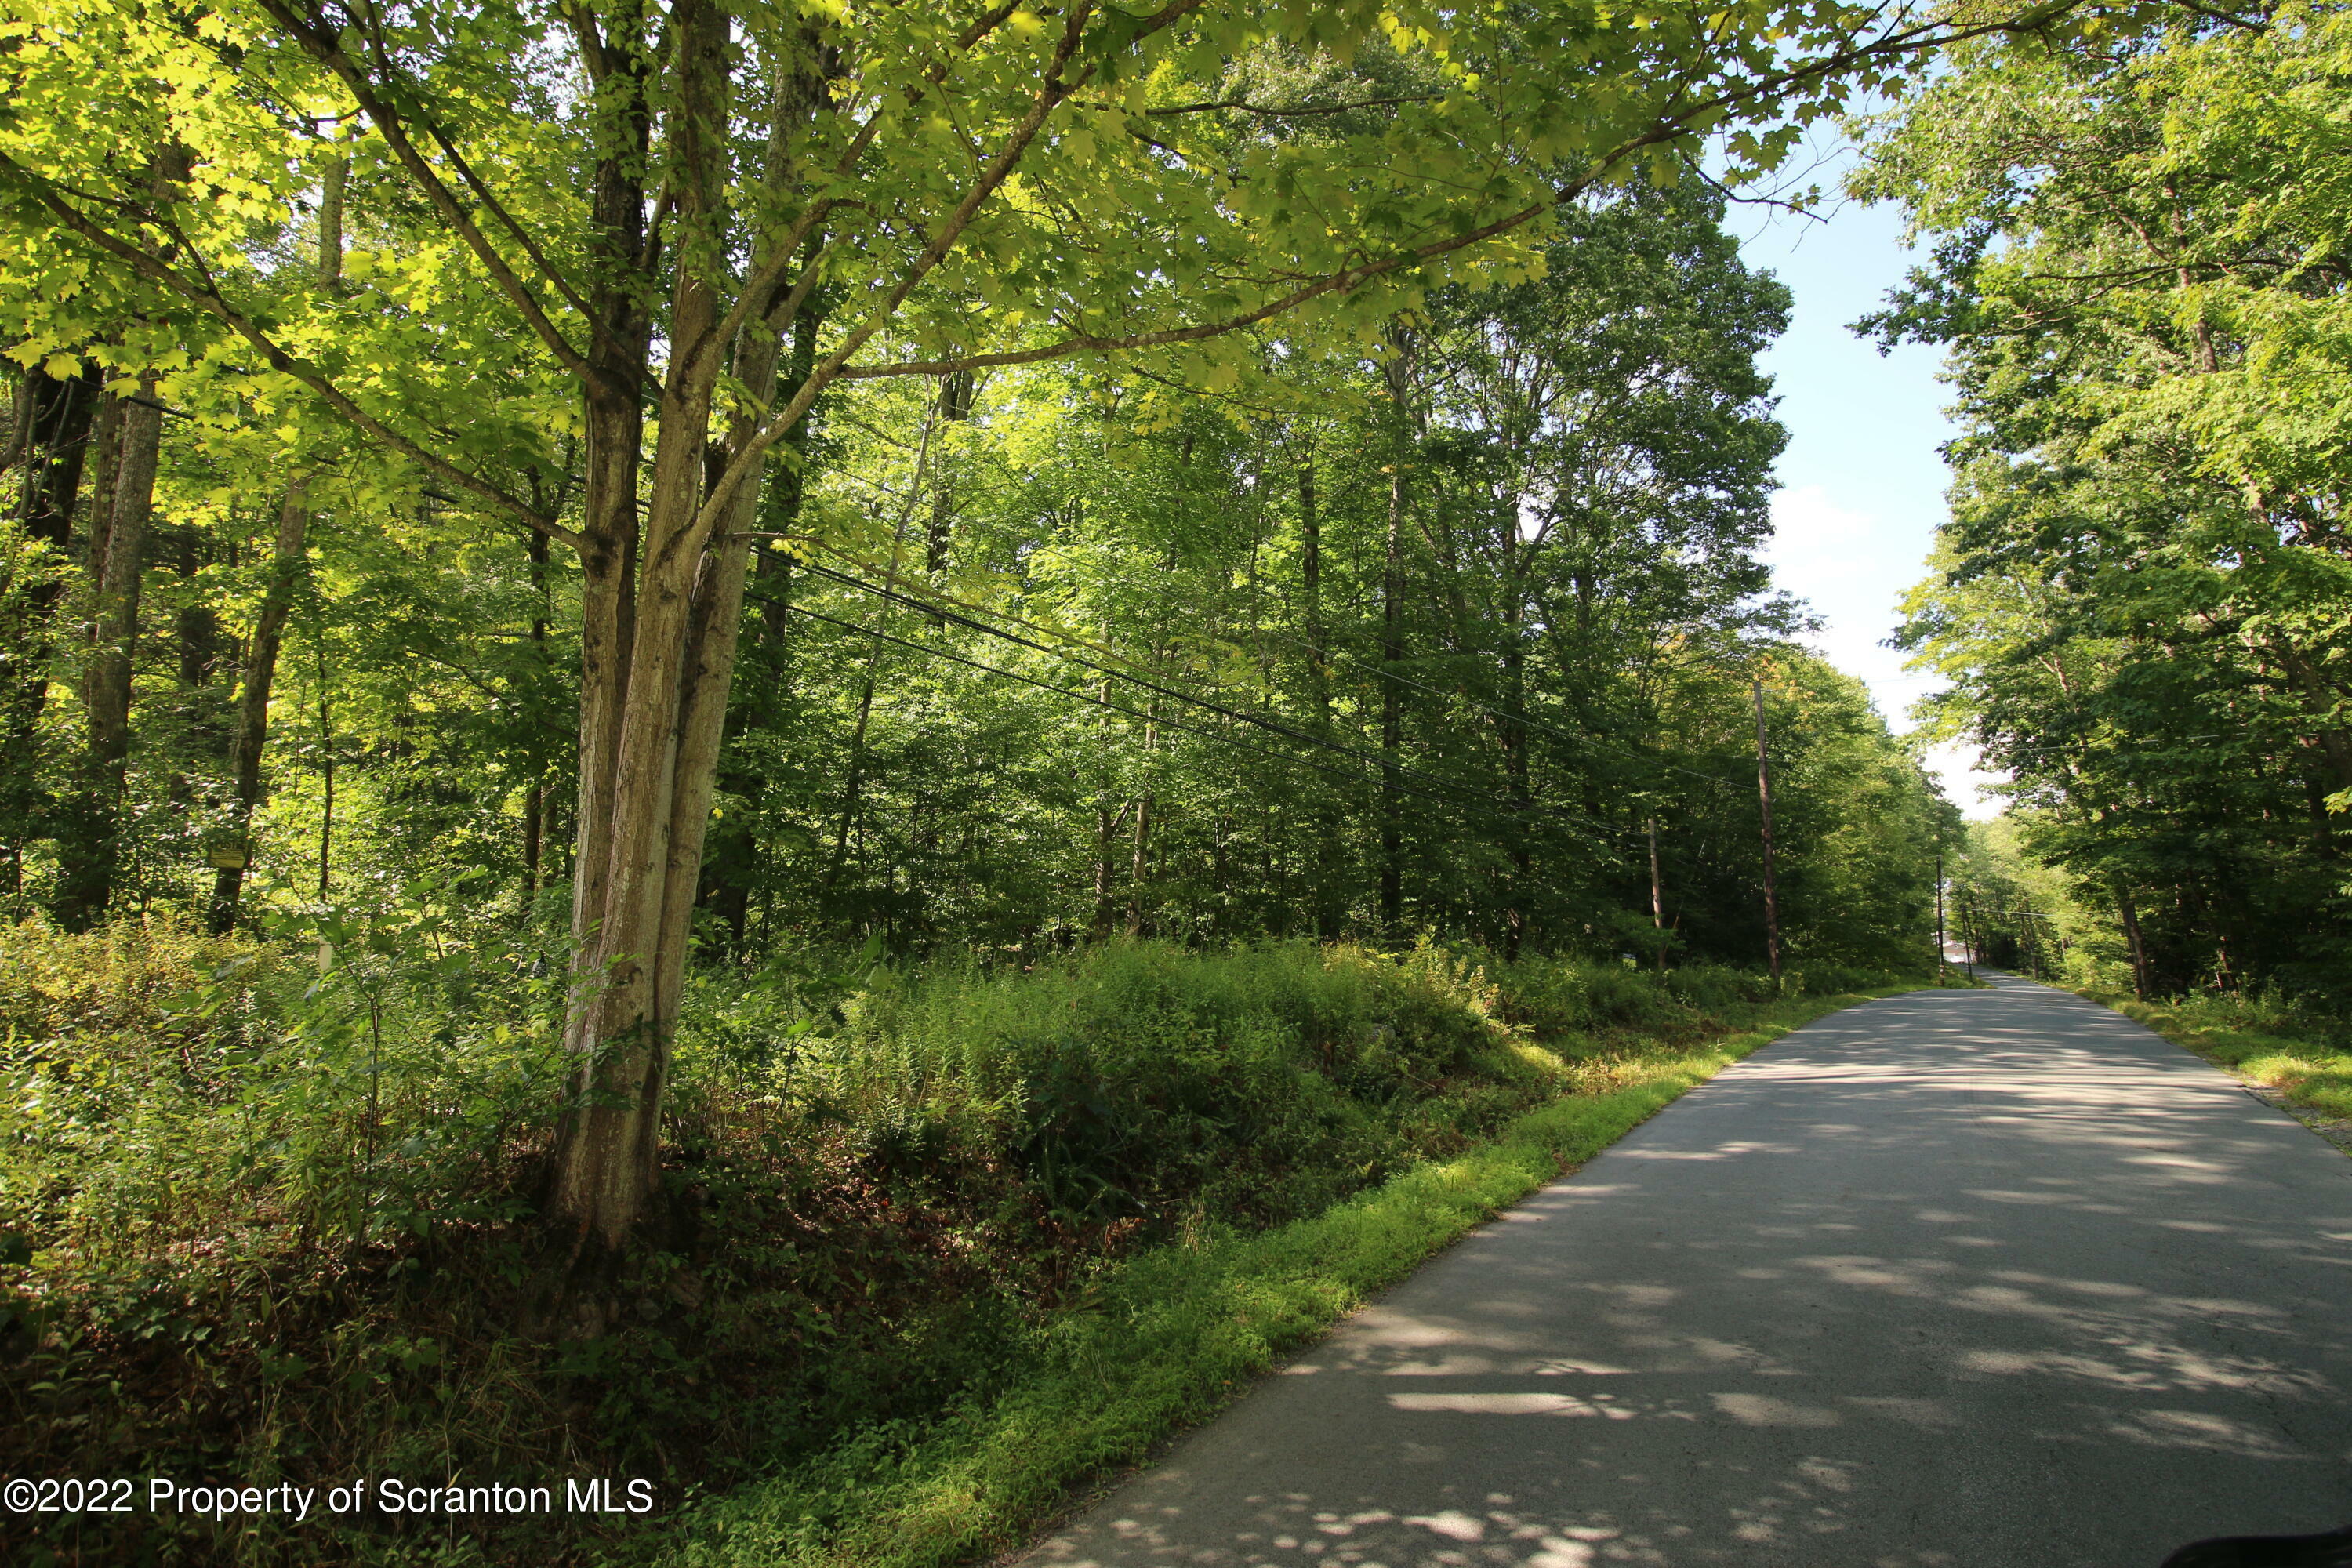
[1978, 1279]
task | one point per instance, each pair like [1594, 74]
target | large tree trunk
[89, 848]
[605, 1170]
[638, 903]
[613, 426]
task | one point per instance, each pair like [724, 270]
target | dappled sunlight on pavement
[1984, 1279]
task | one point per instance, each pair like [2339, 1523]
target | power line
[932, 598]
[1373, 759]
[1134, 713]
[1537, 724]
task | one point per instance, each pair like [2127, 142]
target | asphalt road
[1978, 1279]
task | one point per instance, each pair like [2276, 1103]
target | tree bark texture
[89, 848]
[56, 420]
[642, 830]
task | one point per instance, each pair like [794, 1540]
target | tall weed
[266, 1205]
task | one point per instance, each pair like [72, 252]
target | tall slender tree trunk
[1328, 815]
[856, 774]
[1138, 913]
[250, 740]
[251, 736]
[1514, 735]
[105, 470]
[733, 867]
[326, 777]
[1105, 823]
[89, 849]
[57, 416]
[956, 390]
[201, 650]
[2129, 911]
[1398, 372]
[534, 805]
[1764, 804]
[1658, 899]
[621, 261]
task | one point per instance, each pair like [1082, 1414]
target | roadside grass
[2261, 1041]
[267, 1213]
[1161, 1341]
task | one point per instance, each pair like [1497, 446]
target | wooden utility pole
[1657, 898]
[1939, 910]
[1764, 797]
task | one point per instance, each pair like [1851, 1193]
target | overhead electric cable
[1374, 759]
[1471, 807]
[933, 598]
[1584, 741]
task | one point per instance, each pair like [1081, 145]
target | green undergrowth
[268, 1216]
[2278, 1044]
[1166, 1339]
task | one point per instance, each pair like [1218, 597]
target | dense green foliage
[1421, 642]
[264, 1222]
[2144, 600]
[1411, 609]
[813, 669]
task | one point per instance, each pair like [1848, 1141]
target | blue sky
[1863, 481]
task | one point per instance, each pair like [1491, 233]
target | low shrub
[266, 1206]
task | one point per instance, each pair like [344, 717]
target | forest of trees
[979, 485]
[2143, 602]
[1037, 656]
[699, 703]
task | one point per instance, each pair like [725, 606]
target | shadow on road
[1967, 1278]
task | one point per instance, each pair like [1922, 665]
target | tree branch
[1269, 113]
[208, 299]
[1049, 96]
[326, 46]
